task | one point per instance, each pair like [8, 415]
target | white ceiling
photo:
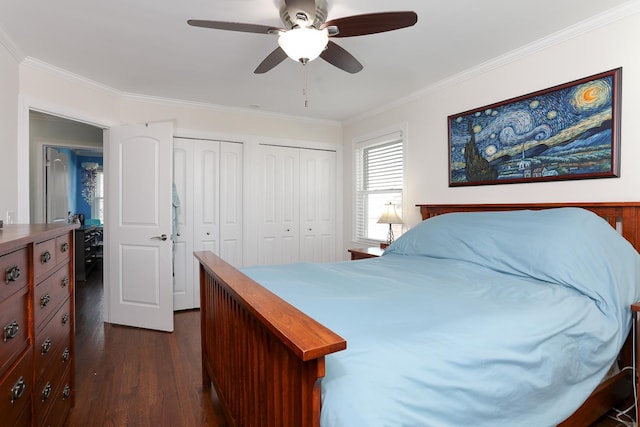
[145, 47]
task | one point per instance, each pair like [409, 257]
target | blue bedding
[483, 319]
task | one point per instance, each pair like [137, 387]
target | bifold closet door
[317, 205]
[208, 179]
[297, 205]
[183, 275]
[278, 208]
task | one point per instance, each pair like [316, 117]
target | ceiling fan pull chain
[305, 88]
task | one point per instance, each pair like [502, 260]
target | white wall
[9, 78]
[580, 52]
[58, 92]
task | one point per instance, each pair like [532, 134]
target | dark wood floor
[137, 377]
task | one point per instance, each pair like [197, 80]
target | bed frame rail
[264, 357]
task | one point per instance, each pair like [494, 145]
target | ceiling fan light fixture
[303, 44]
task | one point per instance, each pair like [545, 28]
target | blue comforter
[500, 319]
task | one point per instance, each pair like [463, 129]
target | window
[379, 169]
[97, 208]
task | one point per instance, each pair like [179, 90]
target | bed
[499, 332]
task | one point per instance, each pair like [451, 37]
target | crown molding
[226, 109]
[76, 78]
[625, 10]
[11, 47]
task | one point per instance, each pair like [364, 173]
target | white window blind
[379, 168]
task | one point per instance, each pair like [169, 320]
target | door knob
[163, 237]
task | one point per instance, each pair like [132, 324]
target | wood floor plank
[137, 377]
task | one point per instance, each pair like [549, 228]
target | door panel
[183, 272]
[278, 208]
[231, 161]
[206, 193]
[138, 274]
[317, 205]
[56, 188]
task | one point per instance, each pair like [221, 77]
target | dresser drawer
[44, 258]
[14, 268]
[50, 294]
[61, 401]
[63, 248]
[52, 339]
[14, 329]
[50, 388]
[15, 389]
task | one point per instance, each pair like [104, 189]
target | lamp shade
[390, 216]
[303, 44]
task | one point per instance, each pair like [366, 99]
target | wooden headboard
[624, 216]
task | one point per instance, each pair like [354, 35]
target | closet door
[317, 205]
[183, 273]
[231, 186]
[208, 181]
[278, 210]
[206, 195]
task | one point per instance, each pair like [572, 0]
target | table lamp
[389, 216]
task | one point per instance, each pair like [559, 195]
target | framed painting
[569, 131]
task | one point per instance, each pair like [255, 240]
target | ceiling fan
[306, 33]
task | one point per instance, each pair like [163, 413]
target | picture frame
[568, 131]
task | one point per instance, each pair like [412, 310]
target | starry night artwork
[570, 131]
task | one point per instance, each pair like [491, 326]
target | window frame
[95, 206]
[359, 145]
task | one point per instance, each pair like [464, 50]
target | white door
[278, 205]
[206, 193]
[56, 186]
[317, 205]
[183, 271]
[138, 274]
[231, 167]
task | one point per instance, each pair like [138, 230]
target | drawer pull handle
[46, 391]
[45, 300]
[65, 318]
[46, 346]
[12, 274]
[64, 282]
[45, 257]
[64, 247]
[18, 389]
[65, 355]
[66, 392]
[11, 330]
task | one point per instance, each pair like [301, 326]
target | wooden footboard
[264, 357]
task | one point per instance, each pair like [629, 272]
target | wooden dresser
[37, 321]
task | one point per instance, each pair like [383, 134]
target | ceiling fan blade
[274, 58]
[337, 56]
[234, 26]
[308, 7]
[371, 23]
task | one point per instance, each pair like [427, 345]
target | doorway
[66, 182]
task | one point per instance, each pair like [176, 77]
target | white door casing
[138, 273]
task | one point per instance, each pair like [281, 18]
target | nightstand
[362, 253]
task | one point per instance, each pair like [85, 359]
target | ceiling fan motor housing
[298, 18]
